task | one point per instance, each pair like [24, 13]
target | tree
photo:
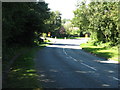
[81, 17]
[100, 19]
[21, 20]
[105, 26]
[54, 22]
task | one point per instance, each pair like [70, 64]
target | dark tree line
[21, 20]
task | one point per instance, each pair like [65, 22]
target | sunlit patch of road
[67, 43]
[109, 61]
[65, 46]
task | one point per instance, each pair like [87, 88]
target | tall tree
[81, 17]
[54, 22]
[100, 19]
[21, 20]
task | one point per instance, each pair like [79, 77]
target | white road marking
[73, 58]
[77, 60]
[116, 78]
[68, 55]
[64, 51]
[88, 66]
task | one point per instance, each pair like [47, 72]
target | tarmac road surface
[65, 65]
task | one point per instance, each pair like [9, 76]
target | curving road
[65, 65]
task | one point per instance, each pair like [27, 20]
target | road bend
[65, 65]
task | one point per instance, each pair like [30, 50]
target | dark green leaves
[100, 19]
[20, 21]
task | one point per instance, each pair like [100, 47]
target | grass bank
[22, 72]
[102, 50]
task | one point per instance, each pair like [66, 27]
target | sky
[65, 7]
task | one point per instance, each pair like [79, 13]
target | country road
[65, 65]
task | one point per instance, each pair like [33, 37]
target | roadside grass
[22, 72]
[102, 50]
[9, 53]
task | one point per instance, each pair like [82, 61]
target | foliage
[64, 21]
[54, 22]
[101, 50]
[100, 19]
[23, 73]
[70, 29]
[21, 20]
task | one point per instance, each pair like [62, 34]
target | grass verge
[22, 72]
[107, 52]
